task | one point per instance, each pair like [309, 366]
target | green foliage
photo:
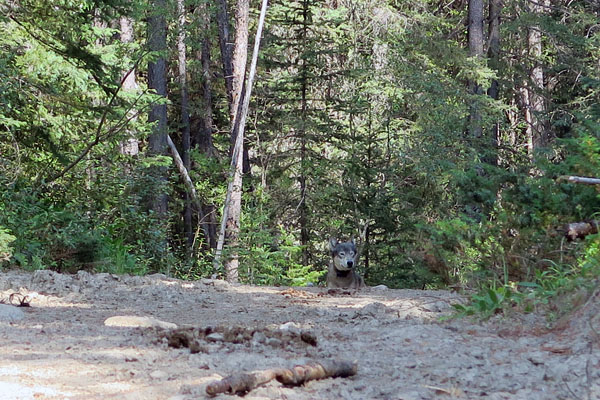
[487, 303]
[361, 122]
[6, 250]
[270, 256]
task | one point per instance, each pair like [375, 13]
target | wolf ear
[353, 241]
[332, 243]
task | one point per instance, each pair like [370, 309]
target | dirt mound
[62, 348]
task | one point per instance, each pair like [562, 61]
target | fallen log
[579, 230]
[580, 179]
[295, 376]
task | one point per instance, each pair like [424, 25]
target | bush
[6, 250]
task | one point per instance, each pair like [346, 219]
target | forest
[232, 139]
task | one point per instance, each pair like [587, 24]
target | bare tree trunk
[235, 66]
[226, 49]
[475, 50]
[495, 10]
[537, 134]
[240, 56]
[236, 171]
[204, 136]
[185, 114]
[131, 145]
[157, 80]
[303, 208]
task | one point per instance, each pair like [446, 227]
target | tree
[495, 11]
[226, 51]
[157, 80]
[185, 113]
[129, 146]
[537, 131]
[204, 135]
[230, 227]
[476, 40]
[234, 207]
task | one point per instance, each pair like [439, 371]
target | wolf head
[344, 254]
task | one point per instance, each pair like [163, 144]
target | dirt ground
[67, 346]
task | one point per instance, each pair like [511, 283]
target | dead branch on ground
[17, 300]
[296, 376]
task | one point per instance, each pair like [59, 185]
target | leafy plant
[6, 250]
[487, 302]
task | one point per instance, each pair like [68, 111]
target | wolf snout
[350, 264]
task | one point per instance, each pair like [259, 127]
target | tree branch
[98, 134]
[188, 182]
[296, 376]
[580, 179]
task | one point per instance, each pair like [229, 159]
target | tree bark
[475, 39]
[157, 80]
[240, 57]
[204, 135]
[239, 62]
[303, 208]
[537, 133]
[185, 114]
[236, 170]
[130, 146]
[495, 10]
[242, 383]
[226, 49]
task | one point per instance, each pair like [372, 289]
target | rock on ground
[9, 313]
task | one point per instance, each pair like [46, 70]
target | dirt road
[63, 347]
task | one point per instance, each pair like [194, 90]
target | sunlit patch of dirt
[173, 338]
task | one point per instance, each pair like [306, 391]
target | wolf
[341, 273]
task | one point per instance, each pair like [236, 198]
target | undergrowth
[554, 291]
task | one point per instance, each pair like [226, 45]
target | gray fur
[341, 273]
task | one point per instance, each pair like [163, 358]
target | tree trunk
[185, 115]
[240, 56]
[204, 136]
[240, 59]
[303, 208]
[475, 39]
[236, 172]
[131, 145]
[495, 10]
[226, 49]
[537, 135]
[157, 80]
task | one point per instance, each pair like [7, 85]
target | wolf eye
[342, 253]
